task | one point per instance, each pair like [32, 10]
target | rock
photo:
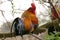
[18, 37]
[8, 38]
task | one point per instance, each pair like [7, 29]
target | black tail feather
[18, 26]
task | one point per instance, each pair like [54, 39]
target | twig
[5, 18]
[12, 7]
[35, 36]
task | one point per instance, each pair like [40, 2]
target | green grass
[55, 36]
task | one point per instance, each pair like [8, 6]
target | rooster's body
[31, 15]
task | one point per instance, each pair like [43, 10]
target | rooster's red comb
[33, 6]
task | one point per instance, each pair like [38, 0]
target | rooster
[27, 23]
